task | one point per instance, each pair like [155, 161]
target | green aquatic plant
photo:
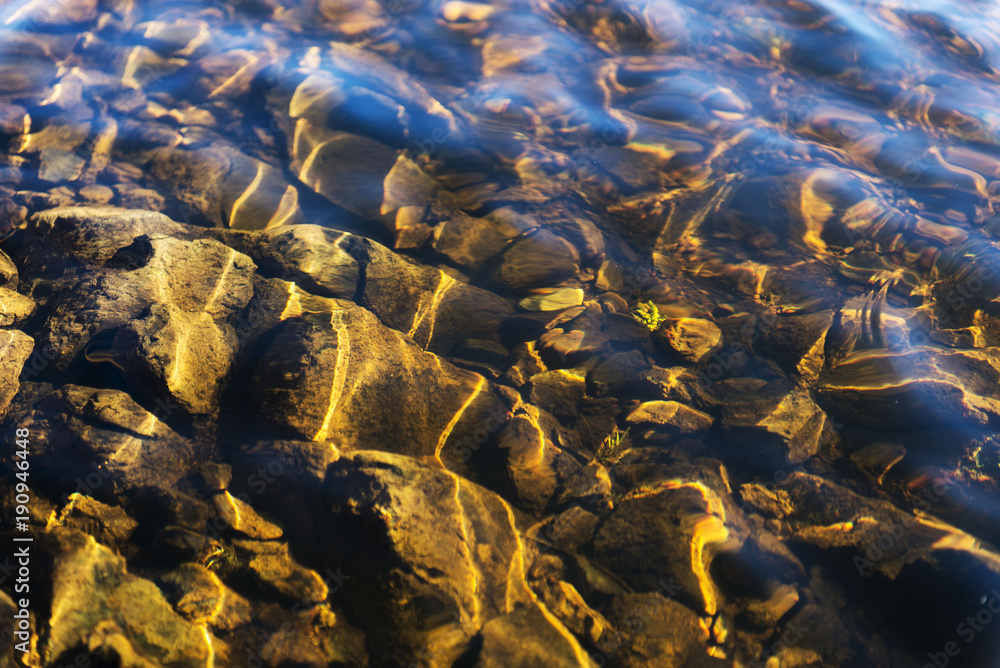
[612, 447]
[647, 314]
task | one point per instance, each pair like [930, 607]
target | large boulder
[151, 302]
[86, 437]
[437, 559]
[671, 530]
[919, 386]
[343, 377]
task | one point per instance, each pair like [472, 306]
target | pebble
[553, 301]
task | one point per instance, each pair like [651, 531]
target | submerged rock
[110, 525]
[309, 255]
[87, 437]
[670, 530]
[789, 423]
[153, 304]
[14, 308]
[199, 595]
[920, 386]
[656, 631]
[332, 170]
[240, 516]
[537, 259]
[224, 187]
[800, 341]
[15, 349]
[553, 301]
[98, 605]
[670, 415]
[693, 339]
[452, 552]
[471, 242]
[319, 375]
[535, 465]
[275, 569]
[8, 272]
[881, 542]
[442, 314]
[560, 392]
[527, 638]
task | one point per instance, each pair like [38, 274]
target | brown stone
[96, 603]
[527, 638]
[789, 422]
[15, 349]
[14, 308]
[693, 339]
[675, 416]
[656, 632]
[920, 386]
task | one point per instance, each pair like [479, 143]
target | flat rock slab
[918, 387]
[672, 415]
[553, 301]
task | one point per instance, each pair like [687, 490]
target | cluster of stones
[300, 461]
[325, 367]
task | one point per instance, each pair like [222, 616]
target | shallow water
[683, 315]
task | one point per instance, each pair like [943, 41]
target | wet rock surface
[515, 334]
[567, 516]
